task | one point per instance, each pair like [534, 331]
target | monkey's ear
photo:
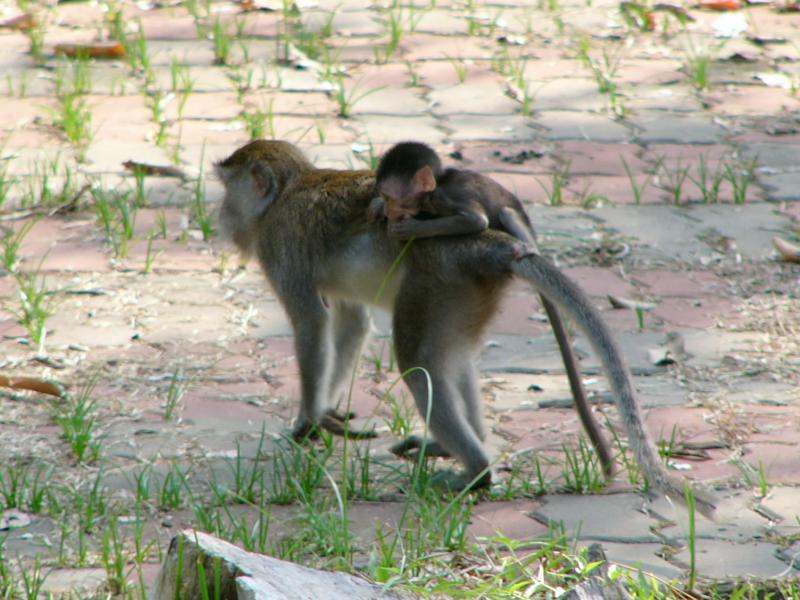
[424, 181]
[263, 189]
[263, 179]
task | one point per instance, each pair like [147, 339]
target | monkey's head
[406, 174]
[254, 177]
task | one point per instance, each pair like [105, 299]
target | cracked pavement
[619, 183]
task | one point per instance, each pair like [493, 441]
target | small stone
[14, 519]
[660, 357]
[67, 582]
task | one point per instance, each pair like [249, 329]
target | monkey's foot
[405, 449]
[341, 416]
[304, 430]
[450, 481]
[335, 423]
[521, 250]
[704, 502]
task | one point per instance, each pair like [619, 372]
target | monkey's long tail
[573, 302]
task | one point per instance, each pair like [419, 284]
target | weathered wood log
[240, 575]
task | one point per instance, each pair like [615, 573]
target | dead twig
[32, 384]
[147, 169]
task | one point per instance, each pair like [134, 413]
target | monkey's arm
[375, 209]
[459, 224]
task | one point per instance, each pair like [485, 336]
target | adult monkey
[309, 231]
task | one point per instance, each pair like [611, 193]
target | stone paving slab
[612, 518]
[667, 128]
[507, 519]
[483, 97]
[646, 557]
[753, 560]
[568, 125]
[784, 502]
[781, 186]
[468, 128]
[70, 581]
[734, 521]
[678, 232]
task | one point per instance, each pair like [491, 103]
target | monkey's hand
[405, 229]
[375, 210]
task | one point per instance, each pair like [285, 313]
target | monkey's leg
[350, 329]
[430, 335]
[313, 341]
[316, 332]
[452, 431]
[471, 394]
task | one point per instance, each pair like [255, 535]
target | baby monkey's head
[406, 174]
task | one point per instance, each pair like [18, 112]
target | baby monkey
[422, 199]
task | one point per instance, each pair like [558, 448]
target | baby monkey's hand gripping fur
[309, 231]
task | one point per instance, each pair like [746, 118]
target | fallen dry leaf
[620, 302]
[677, 10]
[22, 22]
[788, 251]
[639, 14]
[720, 4]
[687, 452]
[260, 5]
[32, 384]
[109, 50]
[148, 169]
[761, 40]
